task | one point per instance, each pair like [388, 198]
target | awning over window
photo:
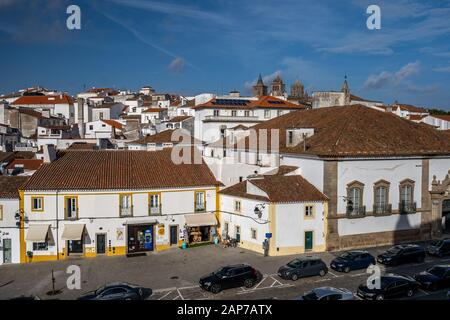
[37, 233]
[73, 231]
[201, 219]
[150, 221]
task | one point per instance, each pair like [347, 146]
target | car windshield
[311, 296]
[221, 271]
[394, 250]
[100, 290]
[294, 263]
[347, 256]
[437, 271]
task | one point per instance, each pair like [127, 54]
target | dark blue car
[352, 260]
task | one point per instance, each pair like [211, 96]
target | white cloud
[388, 78]
[177, 64]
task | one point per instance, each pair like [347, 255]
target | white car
[328, 294]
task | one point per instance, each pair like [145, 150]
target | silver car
[328, 294]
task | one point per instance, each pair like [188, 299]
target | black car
[402, 254]
[116, 291]
[303, 267]
[434, 278]
[390, 286]
[352, 260]
[230, 277]
[439, 248]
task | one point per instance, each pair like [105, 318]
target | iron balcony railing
[155, 210]
[356, 211]
[407, 207]
[200, 206]
[382, 208]
[126, 211]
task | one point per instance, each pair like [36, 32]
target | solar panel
[231, 102]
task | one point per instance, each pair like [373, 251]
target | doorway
[7, 254]
[173, 235]
[101, 243]
[308, 240]
[75, 247]
[140, 238]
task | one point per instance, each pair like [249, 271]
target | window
[126, 206]
[247, 113]
[266, 113]
[237, 206]
[37, 203]
[279, 112]
[225, 229]
[71, 207]
[155, 204]
[200, 204]
[40, 246]
[290, 137]
[407, 204]
[101, 115]
[309, 211]
[241, 178]
[355, 199]
[253, 233]
[381, 197]
[1, 212]
[91, 127]
[233, 113]
[216, 113]
[237, 232]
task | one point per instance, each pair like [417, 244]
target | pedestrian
[266, 247]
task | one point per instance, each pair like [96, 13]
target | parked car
[439, 248]
[402, 254]
[116, 291]
[390, 286]
[328, 294]
[352, 260]
[434, 278]
[303, 267]
[230, 277]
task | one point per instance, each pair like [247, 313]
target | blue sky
[189, 47]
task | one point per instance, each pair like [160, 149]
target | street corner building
[109, 203]
[280, 206]
[10, 218]
[386, 180]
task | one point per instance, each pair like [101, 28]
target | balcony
[126, 211]
[200, 207]
[356, 211]
[382, 208]
[406, 207]
[224, 118]
[154, 210]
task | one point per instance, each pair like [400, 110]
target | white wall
[9, 230]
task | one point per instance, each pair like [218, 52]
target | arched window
[407, 204]
[355, 205]
[381, 197]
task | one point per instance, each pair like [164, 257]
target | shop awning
[73, 231]
[201, 219]
[150, 221]
[37, 233]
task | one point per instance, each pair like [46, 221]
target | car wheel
[248, 283]
[347, 269]
[379, 297]
[410, 293]
[215, 288]
[294, 277]
[322, 273]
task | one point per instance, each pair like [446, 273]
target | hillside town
[93, 174]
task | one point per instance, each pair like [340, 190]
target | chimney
[49, 153]
[80, 120]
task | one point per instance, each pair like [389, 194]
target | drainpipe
[57, 227]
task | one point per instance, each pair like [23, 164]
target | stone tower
[259, 89]
[297, 90]
[277, 87]
[346, 90]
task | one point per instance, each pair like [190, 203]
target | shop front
[140, 237]
[200, 228]
[73, 234]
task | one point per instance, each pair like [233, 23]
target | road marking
[333, 274]
[178, 290]
[358, 275]
[165, 295]
[190, 287]
[276, 280]
[322, 280]
[264, 288]
[424, 292]
[164, 290]
[176, 298]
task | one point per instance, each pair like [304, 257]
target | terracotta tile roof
[55, 127]
[445, 117]
[153, 110]
[356, 98]
[119, 170]
[50, 99]
[416, 117]
[410, 108]
[279, 188]
[165, 137]
[236, 103]
[179, 118]
[114, 124]
[281, 170]
[357, 131]
[81, 146]
[31, 112]
[27, 164]
[6, 156]
[9, 186]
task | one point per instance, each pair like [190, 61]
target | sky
[194, 46]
